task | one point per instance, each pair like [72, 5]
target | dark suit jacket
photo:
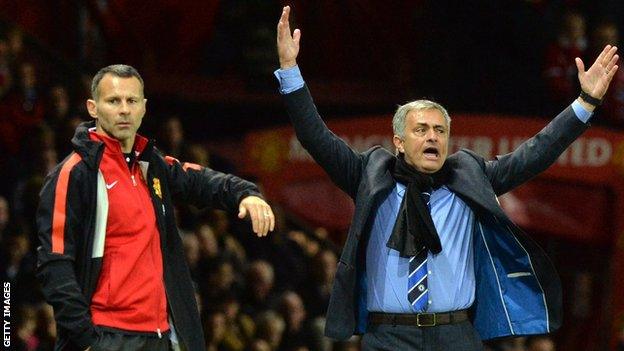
[518, 290]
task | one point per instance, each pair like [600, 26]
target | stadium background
[502, 68]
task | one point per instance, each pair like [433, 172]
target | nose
[432, 135]
[124, 108]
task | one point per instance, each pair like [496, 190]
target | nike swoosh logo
[111, 185]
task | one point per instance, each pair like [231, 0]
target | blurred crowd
[253, 294]
[560, 71]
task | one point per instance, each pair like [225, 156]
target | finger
[611, 74]
[579, 65]
[608, 56]
[286, 13]
[612, 63]
[286, 19]
[266, 215]
[297, 36]
[283, 27]
[255, 218]
[262, 222]
[603, 53]
[605, 81]
[272, 225]
[242, 211]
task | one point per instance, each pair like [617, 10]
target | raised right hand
[287, 44]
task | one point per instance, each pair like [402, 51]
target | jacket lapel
[469, 182]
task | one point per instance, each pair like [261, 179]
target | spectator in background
[6, 76]
[511, 344]
[539, 343]
[192, 254]
[259, 345]
[32, 110]
[197, 153]
[15, 38]
[46, 328]
[560, 70]
[318, 289]
[214, 330]
[259, 296]
[5, 217]
[221, 282]
[21, 109]
[270, 327]
[25, 329]
[58, 108]
[209, 251]
[173, 137]
[220, 225]
[349, 345]
[59, 114]
[66, 132]
[240, 328]
[39, 158]
[299, 331]
[613, 103]
[20, 270]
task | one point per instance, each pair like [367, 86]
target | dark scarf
[414, 230]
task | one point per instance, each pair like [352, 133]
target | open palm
[597, 78]
[287, 43]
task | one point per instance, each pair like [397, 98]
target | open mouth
[431, 153]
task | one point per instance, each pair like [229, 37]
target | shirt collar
[113, 145]
[400, 189]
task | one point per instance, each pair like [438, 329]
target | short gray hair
[123, 71]
[398, 121]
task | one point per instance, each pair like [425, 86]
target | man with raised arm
[431, 261]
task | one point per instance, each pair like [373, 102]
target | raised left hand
[287, 43]
[595, 81]
[262, 218]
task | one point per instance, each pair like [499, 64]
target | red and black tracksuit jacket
[71, 221]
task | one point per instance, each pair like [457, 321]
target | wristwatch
[590, 99]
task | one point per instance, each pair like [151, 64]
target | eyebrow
[121, 96]
[420, 124]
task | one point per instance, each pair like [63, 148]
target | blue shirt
[451, 279]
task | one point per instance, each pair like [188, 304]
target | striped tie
[417, 291]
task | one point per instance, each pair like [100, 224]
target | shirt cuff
[581, 113]
[290, 79]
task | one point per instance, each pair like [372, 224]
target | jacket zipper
[131, 169]
[162, 231]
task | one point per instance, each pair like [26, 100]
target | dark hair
[123, 71]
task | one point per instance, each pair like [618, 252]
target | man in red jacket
[111, 261]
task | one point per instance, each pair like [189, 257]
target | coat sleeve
[204, 187]
[58, 222]
[342, 164]
[536, 154]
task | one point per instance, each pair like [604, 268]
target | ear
[92, 108]
[398, 143]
